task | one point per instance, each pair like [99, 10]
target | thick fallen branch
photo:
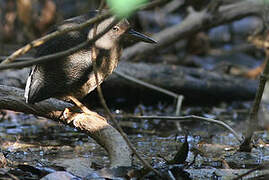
[193, 23]
[12, 99]
[194, 84]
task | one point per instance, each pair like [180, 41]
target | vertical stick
[253, 116]
[103, 102]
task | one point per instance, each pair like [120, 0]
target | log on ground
[193, 83]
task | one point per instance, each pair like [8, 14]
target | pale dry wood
[11, 98]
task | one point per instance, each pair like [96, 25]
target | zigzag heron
[72, 77]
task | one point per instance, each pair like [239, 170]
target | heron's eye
[116, 28]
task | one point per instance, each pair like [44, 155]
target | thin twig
[13, 176]
[187, 118]
[260, 167]
[43, 39]
[54, 34]
[56, 55]
[2, 58]
[104, 104]
[43, 59]
[40, 41]
[179, 98]
[178, 109]
[171, 175]
[143, 83]
[179, 104]
[253, 116]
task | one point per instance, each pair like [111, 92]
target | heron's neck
[114, 55]
[108, 60]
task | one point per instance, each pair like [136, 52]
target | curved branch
[87, 23]
[43, 39]
[59, 54]
[190, 118]
[11, 98]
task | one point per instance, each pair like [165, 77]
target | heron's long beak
[140, 37]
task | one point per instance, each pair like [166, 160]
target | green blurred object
[124, 8]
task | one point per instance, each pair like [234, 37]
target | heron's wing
[33, 86]
[48, 76]
[68, 40]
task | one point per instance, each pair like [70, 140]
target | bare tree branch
[56, 55]
[193, 23]
[12, 99]
[188, 118]
[43, 39]
[96, 19]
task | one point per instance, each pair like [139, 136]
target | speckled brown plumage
[73, 75]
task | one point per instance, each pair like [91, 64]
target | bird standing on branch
[72, 77]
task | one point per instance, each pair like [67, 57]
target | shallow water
[51, 146]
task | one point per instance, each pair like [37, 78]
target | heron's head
[115, 34]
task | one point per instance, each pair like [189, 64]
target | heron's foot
[82, 108]
[68, 113]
